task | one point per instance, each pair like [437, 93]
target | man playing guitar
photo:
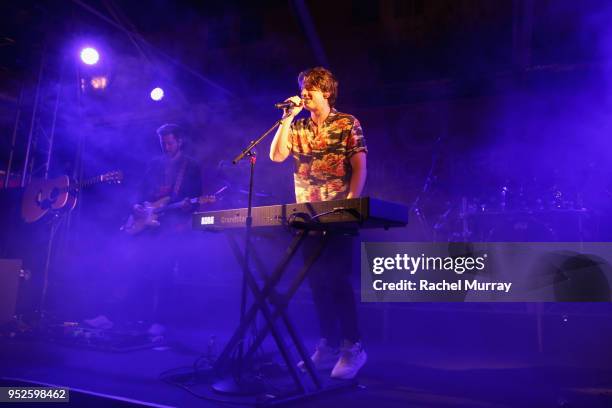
[173, 177]
[170, 192]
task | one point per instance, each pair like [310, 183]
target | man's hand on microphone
[292, 112]
[281, 144]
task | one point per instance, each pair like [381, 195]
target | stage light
[89, 56]
[99, 82]
[157, 94]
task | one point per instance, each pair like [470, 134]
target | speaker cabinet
[9, 285]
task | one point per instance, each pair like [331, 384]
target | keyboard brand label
[235, 219]
[210, 220]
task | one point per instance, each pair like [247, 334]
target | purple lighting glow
[89, 56]
[157, 94]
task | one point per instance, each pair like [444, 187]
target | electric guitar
[44, 195]
[146, 215]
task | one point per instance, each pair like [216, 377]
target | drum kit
[519, 213]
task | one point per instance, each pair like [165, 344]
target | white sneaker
[99, 322]
[324, 356]
[352, 358]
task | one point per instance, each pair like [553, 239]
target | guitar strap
[179, 178]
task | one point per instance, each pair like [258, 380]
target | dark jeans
[332, 289]
[146, 266]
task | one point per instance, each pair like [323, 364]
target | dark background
[491, 82]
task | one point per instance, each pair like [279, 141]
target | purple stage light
[157, 94]
[89, 56]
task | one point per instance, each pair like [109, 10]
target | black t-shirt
[161, 179]
[178, 180]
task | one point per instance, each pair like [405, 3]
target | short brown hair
[321, 79]
[170, 129]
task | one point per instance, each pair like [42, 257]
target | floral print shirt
[322, 157]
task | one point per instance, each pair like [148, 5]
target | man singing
[330, 164]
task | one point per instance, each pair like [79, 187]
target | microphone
[285, 105]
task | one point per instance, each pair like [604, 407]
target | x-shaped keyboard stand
[273, 306]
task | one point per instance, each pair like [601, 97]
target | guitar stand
[273, 306]
[40, 319]
[55, 222]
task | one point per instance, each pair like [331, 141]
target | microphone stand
[416, 205]
[239, 385]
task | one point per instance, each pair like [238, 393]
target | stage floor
[395, 375]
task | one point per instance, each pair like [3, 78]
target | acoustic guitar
[60, 193]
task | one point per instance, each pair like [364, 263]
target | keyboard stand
[273, 306]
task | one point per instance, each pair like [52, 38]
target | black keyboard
[362, 212]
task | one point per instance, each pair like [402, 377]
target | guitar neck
[177, 204]
[192, 201]
[89, 182]
[86, 183]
